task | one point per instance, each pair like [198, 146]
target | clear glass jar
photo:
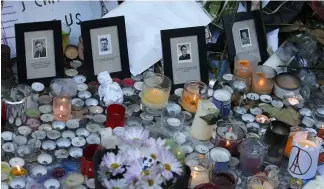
[260, 182]
[200, 167]
[155, 93]
[192, 92]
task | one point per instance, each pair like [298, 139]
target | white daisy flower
[153, 182]
[113, 162]
[170, 164]
[135, 136]
[116, 183]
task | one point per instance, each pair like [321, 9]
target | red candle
[115, 116]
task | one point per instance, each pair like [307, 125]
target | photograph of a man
[245, 37]
[104, 44]
[39, 48]
[184, 52]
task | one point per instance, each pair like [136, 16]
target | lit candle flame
[228, 144]
[293, 101]
[61, 108]
[261, 81]
[18, 168]
[306, 146]
[196, 168]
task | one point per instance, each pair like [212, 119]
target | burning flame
[18, 168]
[261, 81]
[196, 168]
[306, 146]
[227, 144]
[61, 108]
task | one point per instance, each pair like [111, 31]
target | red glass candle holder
[128, 82]
[117, 80]
[229, 136]
[115, 116]
[86, 164]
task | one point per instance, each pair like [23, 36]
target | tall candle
[200, 128]
[304, 155]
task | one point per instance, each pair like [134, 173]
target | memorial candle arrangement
[303, 159]
[262, 79]
[192, 92]
[229, 136]
[244, 66]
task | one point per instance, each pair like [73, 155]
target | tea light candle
[82, 87]
[248, 118]
[78, 141]
[17, 183]
[127, 91]
[221, 157]
[18, 171]
[84, 95]
[16, 161]
[293, 101]
[175, 122]
[76, 152]
[179, 137]
[77, 104]
[202, 149]
[91, 102]
[96, 109]
[138, 85]
[38, 171]
[239, 111]
[58, 125]
[74, 179]
[51, 184]
[58, 173]
[277, 104]
[45, 159]
[262, 119]
[266, 98]
[93, 138]
[45, 99]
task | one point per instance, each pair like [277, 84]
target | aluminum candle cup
[222, 100]
[276, 138]
[286, 83]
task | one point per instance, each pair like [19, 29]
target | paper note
[11, 14]
[144, 21]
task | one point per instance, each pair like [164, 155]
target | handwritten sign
[71, 13]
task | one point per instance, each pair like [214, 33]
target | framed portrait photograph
[245, 34]
[39, 51]
[184, 55]
[105, 47]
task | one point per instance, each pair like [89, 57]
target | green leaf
[211, 119]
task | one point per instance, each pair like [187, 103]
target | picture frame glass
[245, 38]
[185, 59]
[105, 49]
[40, 54]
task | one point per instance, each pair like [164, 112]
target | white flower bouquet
[141, 162]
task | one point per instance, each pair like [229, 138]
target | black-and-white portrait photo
[245, 37]
[184, 52]
[39, 48]
[104, 44]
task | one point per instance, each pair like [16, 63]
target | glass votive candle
[17, 183]
[272, 171]
[192, 92]
[62, 108]
[229, 136]
[276, 138]
[58, 173]
[199, 166]
[224, 180]
[252, 155]
[155, 93]
[260, 182]
[38, 171]
[172, 120]
[293, 100]
[115, 115]
[262, 79]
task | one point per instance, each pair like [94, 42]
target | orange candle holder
[62, 108]
[192, 92]
[293, 131]
[18, 172]
[262, 79]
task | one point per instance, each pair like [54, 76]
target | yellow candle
[154, 98]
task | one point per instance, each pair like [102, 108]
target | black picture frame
[167, 35]
[86, 26]
[229, 20]
[20, 30]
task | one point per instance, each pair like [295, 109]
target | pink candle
[62, 108]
